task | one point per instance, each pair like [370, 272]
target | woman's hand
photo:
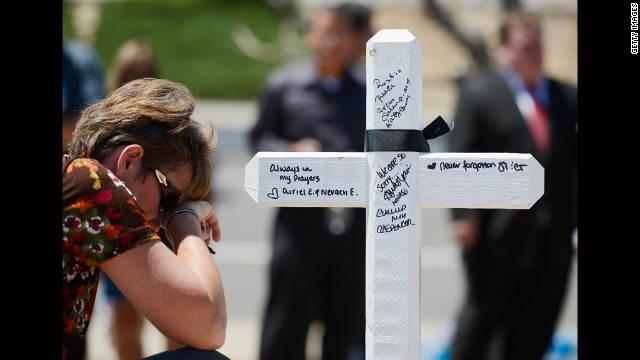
[211, 230]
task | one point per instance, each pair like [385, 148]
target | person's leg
[473, 334]
[126, 330]
[489, 286]
[532, 318]
[343, 290]
[126, 322]
[291, 288]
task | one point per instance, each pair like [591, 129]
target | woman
[137, 161]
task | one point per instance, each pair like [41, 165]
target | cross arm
[480, 180]
[318, 179]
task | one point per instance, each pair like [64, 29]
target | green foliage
[192, 40]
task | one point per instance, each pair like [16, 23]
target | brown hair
[514, 20]
[134, 59]
[156, 114]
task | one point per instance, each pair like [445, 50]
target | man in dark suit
[517, 262]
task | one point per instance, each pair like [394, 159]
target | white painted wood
[393, 257]
[394, 93]
[393, 186]
[447, 180]
[394, 80]
[307, 179]
[480, 180]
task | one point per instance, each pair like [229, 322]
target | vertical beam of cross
[394, 102]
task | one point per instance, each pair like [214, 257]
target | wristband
[204, 224]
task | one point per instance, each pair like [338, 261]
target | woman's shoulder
[100, 212]
[86, 178]
[86, 171]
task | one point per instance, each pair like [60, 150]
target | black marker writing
[385, 212]
[319, 192]
[284, 168]
[385, 228]
[502, 166]
[477, 165]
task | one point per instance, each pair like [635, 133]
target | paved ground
[244, 252]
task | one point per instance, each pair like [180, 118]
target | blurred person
[138, 161]
[517, 262]
[82, 82]
[135, 59]
[361, 17]
[317, 271]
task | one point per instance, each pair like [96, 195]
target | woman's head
[155, 114]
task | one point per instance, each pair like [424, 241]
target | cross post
[393, 179]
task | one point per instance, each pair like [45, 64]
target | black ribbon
[405, 140]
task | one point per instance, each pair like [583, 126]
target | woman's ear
[130, 160]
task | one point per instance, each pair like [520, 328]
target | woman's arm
[181, 293]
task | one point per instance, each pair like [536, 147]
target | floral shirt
[100, 219]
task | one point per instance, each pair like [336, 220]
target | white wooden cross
[393, 186]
